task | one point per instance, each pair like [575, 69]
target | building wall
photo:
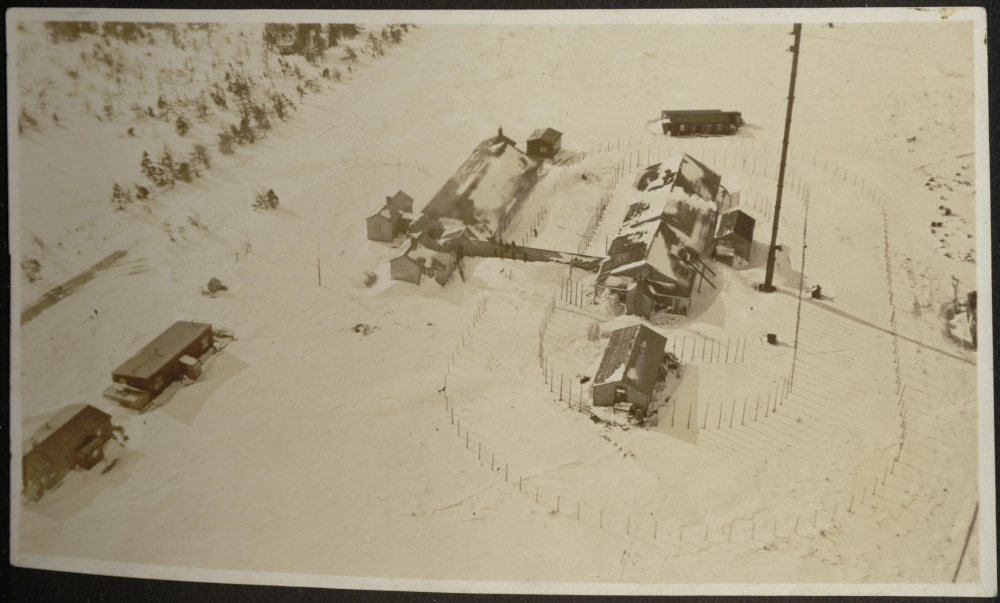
[604, 395]
[718, 128]
[405, 269]
[381, 229]
[540, 148]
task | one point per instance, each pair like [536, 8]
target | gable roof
[632, 357]
[546, 134]
[149, 360]
[697, 116]
[63, 440]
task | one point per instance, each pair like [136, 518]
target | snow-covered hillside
[411, 431]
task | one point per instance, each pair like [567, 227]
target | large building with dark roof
[173, 354]
[73, 438]
[700, 122]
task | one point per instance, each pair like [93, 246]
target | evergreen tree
[182, 126]
[147, 167]
[226, 143]
[116, 197]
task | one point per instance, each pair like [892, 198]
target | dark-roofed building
[700, 122]
[544, 142]
[72, 438]
[400, 202]
[166, 359]
[630, 368]
[393, 218]
[734, 239]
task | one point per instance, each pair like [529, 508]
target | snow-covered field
[434, 445]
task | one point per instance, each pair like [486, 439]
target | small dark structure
[544, 143]
[630, 368]
[772, 339]
[973, 321]
[734, 239]
[393, 218]
[174, 354]
[401, 202]
[73, 438]
[700, 122]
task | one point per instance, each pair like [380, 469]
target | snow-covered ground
[434, 445]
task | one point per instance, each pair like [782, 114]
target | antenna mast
[768, 285]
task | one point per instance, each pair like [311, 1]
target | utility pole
[768, 285]
[319, 271]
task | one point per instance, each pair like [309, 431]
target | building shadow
[186, 402]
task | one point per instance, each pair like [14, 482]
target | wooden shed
[734, 239]
[544, 143]
[383, 225]
[162, 361]
[73, 438]
[630, 368]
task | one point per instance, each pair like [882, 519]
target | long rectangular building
[160, 363]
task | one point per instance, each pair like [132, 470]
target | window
[684, 128]
[157, 383]
[204, 342]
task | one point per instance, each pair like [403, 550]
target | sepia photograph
[570, 302]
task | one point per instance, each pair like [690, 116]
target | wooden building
[734, 239]
[544, 143]
[73, 438]
[175, 353]
[383, 225]
[700, 122]
[656, 261]
[424, 256]
[630, 368]
[393, 218]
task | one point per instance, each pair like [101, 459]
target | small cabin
[73, 438]
[383, 226]
[706, 122]
[174, 354]
[400, 203]
[630, 368]
[544, 143]
[734, 239]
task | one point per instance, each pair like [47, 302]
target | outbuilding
[700, 122]
[73, 438]
[630, 368]
[175, 353]
[544, 143]
[734, 239]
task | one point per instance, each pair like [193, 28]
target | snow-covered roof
[494, 177]
[667, 226]
[633, 356]
[546, 134]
